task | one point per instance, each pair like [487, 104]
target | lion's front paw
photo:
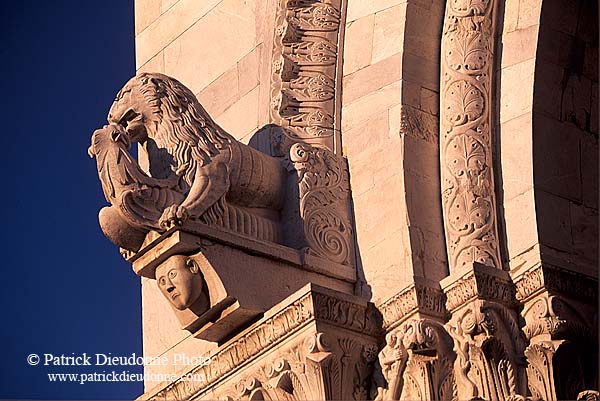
[174, 215]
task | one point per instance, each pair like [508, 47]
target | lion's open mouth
[130, 115]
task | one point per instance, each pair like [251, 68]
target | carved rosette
[468, 198]
[324, 202]
[304, 69]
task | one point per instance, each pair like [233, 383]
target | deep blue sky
[66, 289]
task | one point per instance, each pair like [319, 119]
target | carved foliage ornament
[304, 71]
[465, 137]
[324, 202]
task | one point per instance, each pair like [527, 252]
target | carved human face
[180, 281]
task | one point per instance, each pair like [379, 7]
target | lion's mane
[180, 123]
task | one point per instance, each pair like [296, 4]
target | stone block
[422, 71]
[370, 105]
[146, 12]
[553, 215]
[430, 101]
[242, 117]
[358, 44]
[371, 78]
[221, 93]
[584, 226]
[166, 4]
[529, 13]
[511, 15]
[370, 133]
[590, 61]
[155, 64]
[358, 9]
[388, 33]
[195, 59]
[555, 47]
[576, 98]
[516, 94]
[519, 46]
[516, 154]
[556, 157]
[520, 223]
[428, 250]
[562, 15]
[589, 170]
[594, 109]
[422, 31]
[387, 266]
[169, 26]
[248, 71]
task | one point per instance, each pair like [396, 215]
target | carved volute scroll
[467, 178]
[304, 73]
[324, 191]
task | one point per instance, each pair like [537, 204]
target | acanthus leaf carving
[465, 138]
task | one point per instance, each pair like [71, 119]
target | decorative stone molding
[488, 346]
[324, 191]
[479, 283]
[321, 366]
[467, 178]
[418, 297]
[556, 280]
[416, 364]
[304, 73]
[311, 305]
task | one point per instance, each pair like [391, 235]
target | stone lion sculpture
[194, 172]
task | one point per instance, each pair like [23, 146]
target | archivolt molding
[304, 72]
[467, 181]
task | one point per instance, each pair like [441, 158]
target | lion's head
[155, 106]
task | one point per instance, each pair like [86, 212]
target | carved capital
[489, 348]
[416, 363]
[479, 283]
